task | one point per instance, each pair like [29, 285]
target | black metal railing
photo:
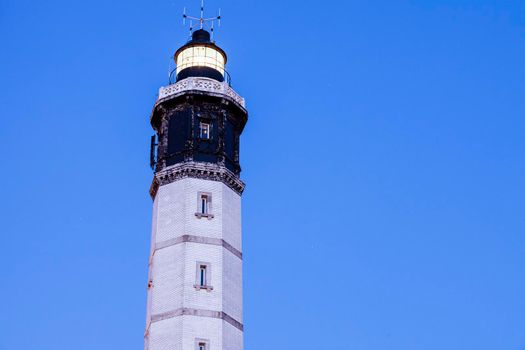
[172, 79]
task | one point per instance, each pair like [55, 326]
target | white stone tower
[195, 265]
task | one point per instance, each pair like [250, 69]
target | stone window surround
[207, 286]
[199, 341]
[209, 214]
[206, 124]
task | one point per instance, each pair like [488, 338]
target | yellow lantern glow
[200, 56]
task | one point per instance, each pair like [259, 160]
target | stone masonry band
[201, 240]
[197, 312]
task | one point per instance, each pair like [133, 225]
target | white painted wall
[173, 268]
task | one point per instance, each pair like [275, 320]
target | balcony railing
[200, 84]
[173, 75]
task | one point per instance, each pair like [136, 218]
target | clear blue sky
[384, 162]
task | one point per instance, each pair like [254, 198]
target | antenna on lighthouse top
[202, 20]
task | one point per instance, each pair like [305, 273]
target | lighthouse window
[203, 276]
[201, 344]
[205, 131]
[204, 205]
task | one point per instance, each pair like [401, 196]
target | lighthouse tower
[195, 264]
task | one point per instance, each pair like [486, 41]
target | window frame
[204, 204]
[203, 275]
[207, 211]
[207, 128]
[207, 276]
[199, 342]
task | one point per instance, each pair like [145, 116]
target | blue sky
[384, 162]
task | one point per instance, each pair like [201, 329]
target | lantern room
[200, 57]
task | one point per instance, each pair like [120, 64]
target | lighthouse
[194, 299]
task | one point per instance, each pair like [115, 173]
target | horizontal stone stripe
[197, 312]
[201, 240]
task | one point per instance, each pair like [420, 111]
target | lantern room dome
[200, 57]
